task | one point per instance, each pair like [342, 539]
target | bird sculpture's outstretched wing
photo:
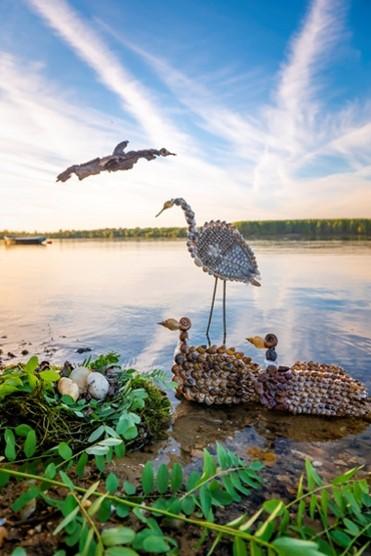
[119, 160]
[225, 253]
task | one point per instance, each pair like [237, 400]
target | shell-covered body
[313, 389]
[308, 387]
[219, 375]
[222, 252]
[213, 375]
[219, 249]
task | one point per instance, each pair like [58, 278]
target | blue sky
[267, 105]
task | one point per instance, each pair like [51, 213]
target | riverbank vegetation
[72, 495]
[310, 229]
[111, 517]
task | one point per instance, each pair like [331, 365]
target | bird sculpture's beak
[170, 324]
[257, 341]
[158, 214]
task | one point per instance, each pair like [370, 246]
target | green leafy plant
[103, 361]
[162, 493]
[325, 518]
[27, 378]
[36, 421]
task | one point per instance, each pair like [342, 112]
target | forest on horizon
[337, 228]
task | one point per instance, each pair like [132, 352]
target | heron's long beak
[158, 214]
[162, 323]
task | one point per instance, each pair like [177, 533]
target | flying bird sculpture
[221, 251]
[118, 160]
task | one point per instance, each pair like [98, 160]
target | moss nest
[136, 409]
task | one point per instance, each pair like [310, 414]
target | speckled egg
[98, 386]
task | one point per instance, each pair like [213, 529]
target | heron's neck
[188, 213]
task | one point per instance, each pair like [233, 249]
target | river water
[109, 295]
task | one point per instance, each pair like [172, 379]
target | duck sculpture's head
[183, 324]
[269, 341]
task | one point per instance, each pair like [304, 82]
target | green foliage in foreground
[127, 519]
[341, 228]
[35, 420]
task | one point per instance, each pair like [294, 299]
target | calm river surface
[109, 295]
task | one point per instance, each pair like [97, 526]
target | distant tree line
[340, 228]
[309, 228]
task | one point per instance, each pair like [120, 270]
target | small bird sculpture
[221, 251]
[211, 375]
[308, 387]
[118, 160]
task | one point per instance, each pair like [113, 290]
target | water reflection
[109, 295]
[196, 427]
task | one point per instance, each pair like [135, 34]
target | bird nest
[29, 396]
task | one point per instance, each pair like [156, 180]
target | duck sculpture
[211, 375]
[308, 387]
[217, 375]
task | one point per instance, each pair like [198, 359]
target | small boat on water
[27, 240]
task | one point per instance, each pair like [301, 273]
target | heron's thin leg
[224, 313]
[211, 312]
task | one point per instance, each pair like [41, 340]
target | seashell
[270, 341]
[67, 387]
[98, 386]
[185, 323]
[179, 359]
[271, 354]
[79, 375]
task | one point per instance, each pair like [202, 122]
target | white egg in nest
[67, 387]
[98, 385]
[79, 375]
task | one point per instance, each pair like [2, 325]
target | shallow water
[109, 295]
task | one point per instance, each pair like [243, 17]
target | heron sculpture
[221, 251]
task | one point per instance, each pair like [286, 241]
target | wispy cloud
[259, 159]
[92, 49]
[244, 133]
[297, 106]
[296, 127]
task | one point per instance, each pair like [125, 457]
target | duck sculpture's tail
[308, 387]
[212, 375]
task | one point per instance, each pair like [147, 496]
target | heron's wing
[223, 250]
